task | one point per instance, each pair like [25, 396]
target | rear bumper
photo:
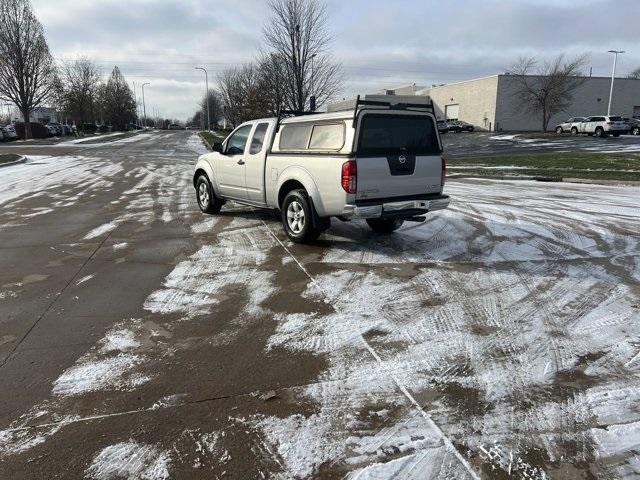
[403, 208]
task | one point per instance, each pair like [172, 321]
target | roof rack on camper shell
[390, 105]
[389, 102]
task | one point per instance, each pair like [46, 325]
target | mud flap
[319, 223]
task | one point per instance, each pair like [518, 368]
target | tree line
[29, 76]
[295, 71]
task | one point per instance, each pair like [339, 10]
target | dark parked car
[89, 128]
[459, 126]
[634, 125]
[38, 130]
[443, 126]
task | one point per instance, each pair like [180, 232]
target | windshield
[395, 134]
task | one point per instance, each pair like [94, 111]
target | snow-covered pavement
[141, 339]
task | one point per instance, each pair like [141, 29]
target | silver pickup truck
[380, 162]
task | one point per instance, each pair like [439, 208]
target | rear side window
[395, 134]
[258, 138]
[615, 119]
[327, 137]
[295, 137]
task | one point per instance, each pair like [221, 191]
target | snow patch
[130, 460]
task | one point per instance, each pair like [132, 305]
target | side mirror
[217, 147]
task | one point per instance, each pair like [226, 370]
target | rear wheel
[635, 131]
[207, 201]
[297, 217]
[599, 132]
[574, 131]
[385, 225]
[616, 134]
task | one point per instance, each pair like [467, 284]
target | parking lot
[141, 339]
[484, 144]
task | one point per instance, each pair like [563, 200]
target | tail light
[444, 172]
[350, 176]
[611, 123]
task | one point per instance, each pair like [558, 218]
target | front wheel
[384, 225]
[297, 217]
[559, 131]
[207, 201]
[635, 131]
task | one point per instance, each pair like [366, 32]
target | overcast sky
[381, 44]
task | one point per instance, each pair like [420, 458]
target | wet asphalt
[141, 339]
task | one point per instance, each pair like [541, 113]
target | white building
[44, 115]
[492, 104]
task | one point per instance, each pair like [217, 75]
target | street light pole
[144, 107]
[206, 97]
[312, 99]
[613, 76]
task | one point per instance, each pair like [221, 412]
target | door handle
[240, 162]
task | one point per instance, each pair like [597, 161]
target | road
[140, 339]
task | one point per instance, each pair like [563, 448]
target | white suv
[601, 126]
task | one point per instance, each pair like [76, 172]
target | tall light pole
[613, 76]
[206, 97]
[312, 99]
[144, 107]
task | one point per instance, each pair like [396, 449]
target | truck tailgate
[398, 175]
[397, 155]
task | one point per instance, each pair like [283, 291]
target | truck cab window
[258, 138]
[237, 142]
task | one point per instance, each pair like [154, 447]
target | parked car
[459, 126]
[59, 128]
[633, 125]
[568, 124]
[89, 128]
[313, 167]
[52, 130]
[38, 130]
[2, 135]
[9, 132]
[601, 126]
[175, 126]
[443, 126]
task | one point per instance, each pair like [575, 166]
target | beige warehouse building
[491, 103]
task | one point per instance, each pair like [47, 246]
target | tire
[385, 225]
[574, 131]
[599, 132]
[635, 131]
[297, 217]
[559, 131]
[470, 129]
[207, 201]
[616, 134]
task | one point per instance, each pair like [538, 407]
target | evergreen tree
[118, 104]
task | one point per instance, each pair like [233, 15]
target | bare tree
[240, 92]
[215, 106]
[635, 74]
[78, 89]
[27, 69]
[547, 89]
[298, 37]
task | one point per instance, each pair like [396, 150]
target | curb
[620, 183]
[22, 159]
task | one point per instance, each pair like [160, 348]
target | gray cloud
[380, 43]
